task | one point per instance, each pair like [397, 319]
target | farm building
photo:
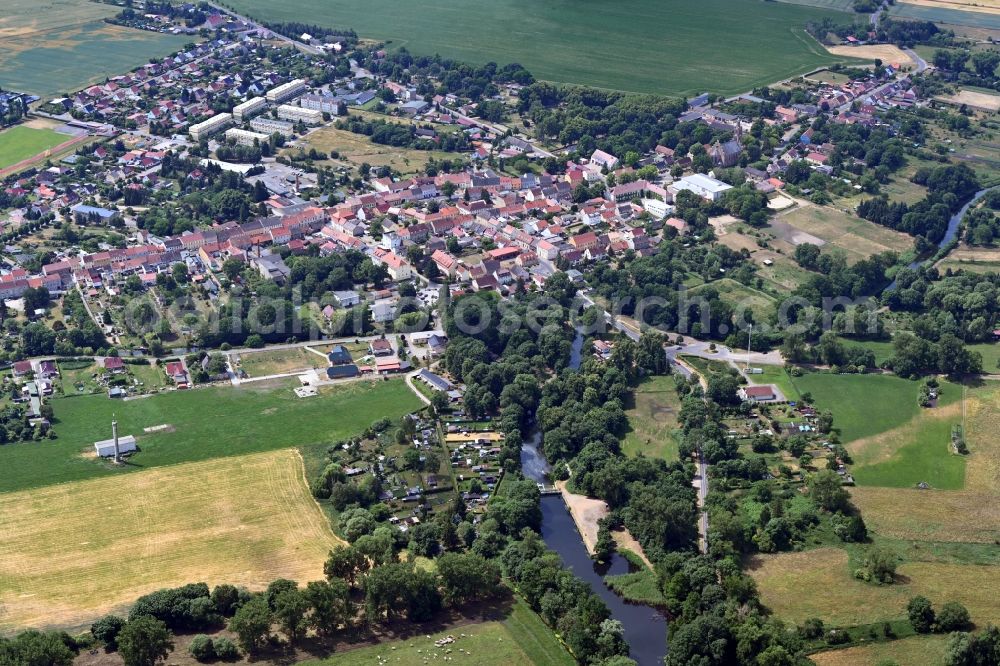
[106, 448]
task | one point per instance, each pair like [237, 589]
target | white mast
[114, 437]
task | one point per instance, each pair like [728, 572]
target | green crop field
[20, 143]
[200, 424]
[672, 47]
[58, 46]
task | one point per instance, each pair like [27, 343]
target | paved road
[921, 63]
[288, 40]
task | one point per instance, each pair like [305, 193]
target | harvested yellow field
[980, 6]
[889, 54]
[976, 100]
[930, 515]
[982, 423]
[819, 583]
[72, 552]
[922, 650]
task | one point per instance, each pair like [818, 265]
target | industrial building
[213, 125]
[249, 109]
[286, 91]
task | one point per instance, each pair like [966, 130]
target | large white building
[269, 126]
[286, 91]
[245, 138]
[106, 447]
[213, 125]
[323, 103]
[249, 108]
[702, 185]
[295, 114]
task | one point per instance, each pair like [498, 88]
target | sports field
[53, 47]
[75, 551]
[20, 142]
[673, 47]
[198, 424]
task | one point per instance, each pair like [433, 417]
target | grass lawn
[265, 363]
[928, 650]
[839, 599]
[54, 47]
[651, 46]
[969, 514]
[72, 552]
[358, 148]
[518, 639]
[863, 405]
[652, 419]
[535, 638]
[775, 374]
[881, 348]
[990, 351]
[742, 298]
[944, 516]
[204, 423]
[640, 587]
[77, 378]
[20, 142]
[706, 366]
[151, 377]
[894, 441]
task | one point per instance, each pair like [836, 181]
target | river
[951, 232]
[645, 627]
